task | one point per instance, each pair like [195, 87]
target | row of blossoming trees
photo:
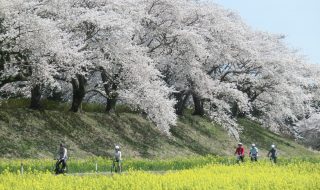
[156, 56]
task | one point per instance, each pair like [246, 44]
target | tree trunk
[78, 86]
[110, 88]
[198, 105]
[111, 104]
[112, 98]
[181, 102]
[35, 97]
[256, 112]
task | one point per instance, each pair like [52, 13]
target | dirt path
[110, 174]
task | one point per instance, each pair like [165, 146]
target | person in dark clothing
[62, 159]
[273, 153]
[240, 153]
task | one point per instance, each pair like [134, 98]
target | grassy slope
[253, 133]
[26, 133]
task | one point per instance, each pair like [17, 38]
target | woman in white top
[62, 159]
[117, 154]
[116, 165]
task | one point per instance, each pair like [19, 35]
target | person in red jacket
[240, 153]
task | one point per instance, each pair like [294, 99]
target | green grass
[254, 133]
[26, 133]
[62, 106]
[104, 164]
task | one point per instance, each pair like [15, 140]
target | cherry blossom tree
[103, 32]
[158, 57]
[31, 45]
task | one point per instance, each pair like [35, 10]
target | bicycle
[273, 159]
[60, 170]
[239, 158]
[116, 166]
[254, 157]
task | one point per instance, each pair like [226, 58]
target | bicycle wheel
[112, 167]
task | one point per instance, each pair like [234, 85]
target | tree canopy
[157, 56]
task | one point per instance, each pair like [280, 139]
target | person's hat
[239, 143]
[253, 145]
[117, 147]
[273, 146]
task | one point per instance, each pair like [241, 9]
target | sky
[299, 20]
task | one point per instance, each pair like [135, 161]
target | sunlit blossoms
[159, 57]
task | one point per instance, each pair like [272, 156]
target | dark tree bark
[235, 110]
[12, 79]
[110, 87]
[78, 86]
[111, 104]
[182, 99]
[56, 96]
[198, 105]
[35, 97]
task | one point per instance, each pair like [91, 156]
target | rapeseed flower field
[288, 174]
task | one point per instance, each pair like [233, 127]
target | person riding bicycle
[273, 153]
[240, 153]
[117, 158]
[62, 159]
[253, 154]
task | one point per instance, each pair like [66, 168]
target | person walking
[273, 153]
[117, 159]
[253, 153]
[240, 153]
[62, 159]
